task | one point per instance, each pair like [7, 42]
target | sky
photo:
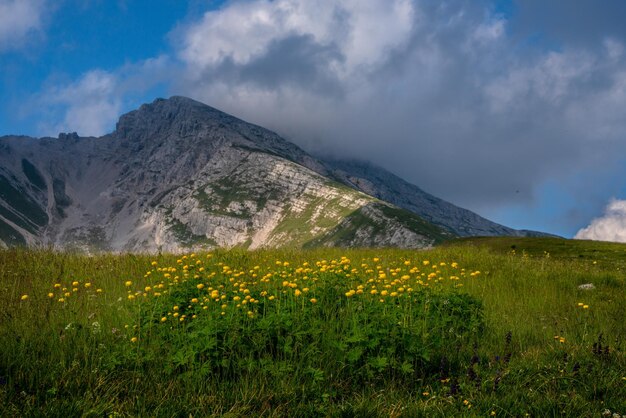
[515, 109]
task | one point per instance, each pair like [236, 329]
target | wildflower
[131, 297]
[133, 340]
[297, 292]
[50, 295]
[128, 283]
[75, 283]
[61, 300]
[57, 285]
[585, 306]
[154, 263]
[313, 300]
[87, 285]
[164, 319]
[200, 286]
[425, 393]
[24, 297]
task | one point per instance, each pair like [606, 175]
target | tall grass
[480, 332]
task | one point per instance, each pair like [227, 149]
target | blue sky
[514, 109]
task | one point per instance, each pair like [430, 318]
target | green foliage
[505, 336]
[362, 340]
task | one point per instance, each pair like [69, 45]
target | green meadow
[475, 327]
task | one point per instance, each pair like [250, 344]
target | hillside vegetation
[477, 327]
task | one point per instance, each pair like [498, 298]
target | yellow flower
[200, 286]
[425, 393]
[128, 283]
[133, 340]
[313, 300]
[57, 285]
[50, 295]
[131, 297]
[194, 300]
[154, 263]
[61, 300]
[164, 319]
[585, 306]
[24, 297]
[297, 292]
[74, 283]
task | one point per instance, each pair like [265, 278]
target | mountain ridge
[177, 174]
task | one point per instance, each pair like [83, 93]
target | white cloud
[18, 20]
[364, 32]
[610, 227]
[92, 104]
[89, 105]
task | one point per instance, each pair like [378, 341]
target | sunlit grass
[455, 330]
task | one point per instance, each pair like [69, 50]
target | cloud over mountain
[434, 91]
[415, 86]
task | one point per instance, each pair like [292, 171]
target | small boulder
[586, 286]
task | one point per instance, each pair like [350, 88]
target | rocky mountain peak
[177, 115]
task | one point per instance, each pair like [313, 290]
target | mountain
[179, 175]
[380, 183]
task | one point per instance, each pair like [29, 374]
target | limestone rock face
[177, 175]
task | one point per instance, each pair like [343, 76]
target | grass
[493, 330]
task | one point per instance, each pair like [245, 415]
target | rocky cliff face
[179, 175]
